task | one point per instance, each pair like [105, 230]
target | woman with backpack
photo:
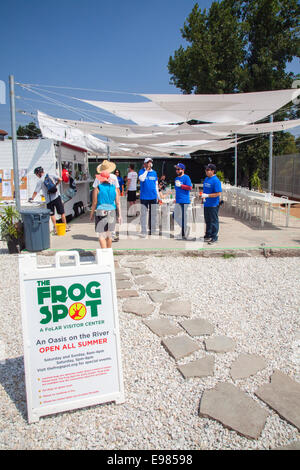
[106, 204]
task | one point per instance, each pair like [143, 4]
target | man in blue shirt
[148, 196]
[212, 190]
[183, 186]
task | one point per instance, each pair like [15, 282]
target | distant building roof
[3, 132]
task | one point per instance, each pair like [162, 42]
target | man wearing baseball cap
[148, 196]
[212, 190]
[183, 186]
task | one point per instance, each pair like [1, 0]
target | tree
[241, 46]
[30, 131]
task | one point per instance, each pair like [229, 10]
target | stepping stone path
[247, 365]
[234, 409]
[138, 307]
[198, 327]
[159, 297]
[282, 394]
[180, 308]
[219, 344]
[225, 403]
[127, 293]
[163, 327]
[200, 368]
[139, 271]
[123, 284]
[180, 346]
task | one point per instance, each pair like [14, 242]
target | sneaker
[211, 242]
[207, 239]
[115, 239]
[68, 228]
[143, 235]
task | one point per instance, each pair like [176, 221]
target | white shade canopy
[241, 108]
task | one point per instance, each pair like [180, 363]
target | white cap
[148, 160]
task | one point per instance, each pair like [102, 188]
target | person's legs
[179, 216]
[102, 242]
[207, 219]
[214, 223]
[144, 211]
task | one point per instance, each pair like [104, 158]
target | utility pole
[14, 141]
[235, 161]
[270, 158]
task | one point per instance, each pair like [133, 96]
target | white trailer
[53, 156]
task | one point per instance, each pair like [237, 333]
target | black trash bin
[36, 228]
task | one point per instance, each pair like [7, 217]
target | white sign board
[71, 333]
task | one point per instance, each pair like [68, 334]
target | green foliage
[30, 131]
[241, 46]
[220, 175]
[255, 181]
[10, 224]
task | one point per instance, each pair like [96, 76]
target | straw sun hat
[106, 166]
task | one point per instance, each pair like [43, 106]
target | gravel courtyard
[253, 300]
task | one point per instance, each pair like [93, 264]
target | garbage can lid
[35, 211]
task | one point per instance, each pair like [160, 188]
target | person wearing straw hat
[106, 201]
[108, 166]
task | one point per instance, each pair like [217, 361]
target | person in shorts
[131, 186]
[53, 200]
[106, 201]
[108, 166]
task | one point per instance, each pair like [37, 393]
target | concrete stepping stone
[198, 327]
[139, 272]
[181, 308]
[200, 368]
[159, 297]
[135, 259]
[124, 284]
[122, 276]
[162, 327]
[234, 409]
[180, 346]
[150, 286]
[123, 294]
[138, 306]
[145, 280]
[135, 265]
[282, 394]
[219, 344]
[247, 365]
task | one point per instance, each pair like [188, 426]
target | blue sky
[92, 44]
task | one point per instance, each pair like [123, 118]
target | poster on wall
[71, 337]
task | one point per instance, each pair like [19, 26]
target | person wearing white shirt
[131, 185]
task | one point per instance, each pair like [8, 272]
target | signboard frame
[30, 271]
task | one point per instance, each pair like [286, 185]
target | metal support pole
[270, 158]
[235, 161]
[14, 141]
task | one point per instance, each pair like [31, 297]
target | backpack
[50, 185]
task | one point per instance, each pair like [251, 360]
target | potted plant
[11, 229]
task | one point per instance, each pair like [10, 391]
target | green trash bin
[36, 228]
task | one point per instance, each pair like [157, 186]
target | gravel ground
[253, 300]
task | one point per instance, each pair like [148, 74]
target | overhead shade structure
[144, 114]
[242, 108]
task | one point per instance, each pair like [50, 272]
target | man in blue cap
[212, 190]
[183, 186]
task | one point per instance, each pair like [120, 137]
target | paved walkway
[235, 234]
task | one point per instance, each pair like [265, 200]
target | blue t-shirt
[106, 197]
[183, 195]
[212, 185]
[148, 187]
[121, 181]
